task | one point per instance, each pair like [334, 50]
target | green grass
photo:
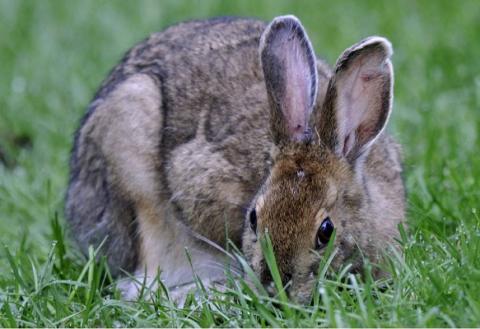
[54, 54]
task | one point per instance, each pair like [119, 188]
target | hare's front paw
[133, 287]
[144, 287]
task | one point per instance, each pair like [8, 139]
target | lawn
[54, 54]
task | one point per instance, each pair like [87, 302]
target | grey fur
[180, 139]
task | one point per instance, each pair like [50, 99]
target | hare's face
[316, 184]
[309, 193]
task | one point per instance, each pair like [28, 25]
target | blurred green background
[54, 54]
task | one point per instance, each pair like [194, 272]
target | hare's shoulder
[213, 174]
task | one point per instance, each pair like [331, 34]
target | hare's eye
[324, 233]
[253, 220]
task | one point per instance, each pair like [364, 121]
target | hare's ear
[289, 68]
[359, 98]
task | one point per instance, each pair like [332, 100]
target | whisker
[213, 244]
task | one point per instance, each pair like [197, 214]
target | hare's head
[317, 183]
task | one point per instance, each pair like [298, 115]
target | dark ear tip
[377, 42]
[287, 22]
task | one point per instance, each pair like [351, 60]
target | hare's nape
[290, 72]
[359, 98]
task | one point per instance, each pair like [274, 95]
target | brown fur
[193, 128]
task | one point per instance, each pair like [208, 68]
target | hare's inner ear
[359, 98]
[289, 68]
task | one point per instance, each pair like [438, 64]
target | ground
[54, 54]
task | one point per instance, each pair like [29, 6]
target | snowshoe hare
[224, 129]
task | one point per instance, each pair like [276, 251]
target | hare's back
[208, 72]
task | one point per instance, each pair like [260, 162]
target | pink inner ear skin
[296, 132]
[367, 76]
[289, 66]
[296, 103]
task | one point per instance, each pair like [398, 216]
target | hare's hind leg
[128, 127]
[109, 172]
